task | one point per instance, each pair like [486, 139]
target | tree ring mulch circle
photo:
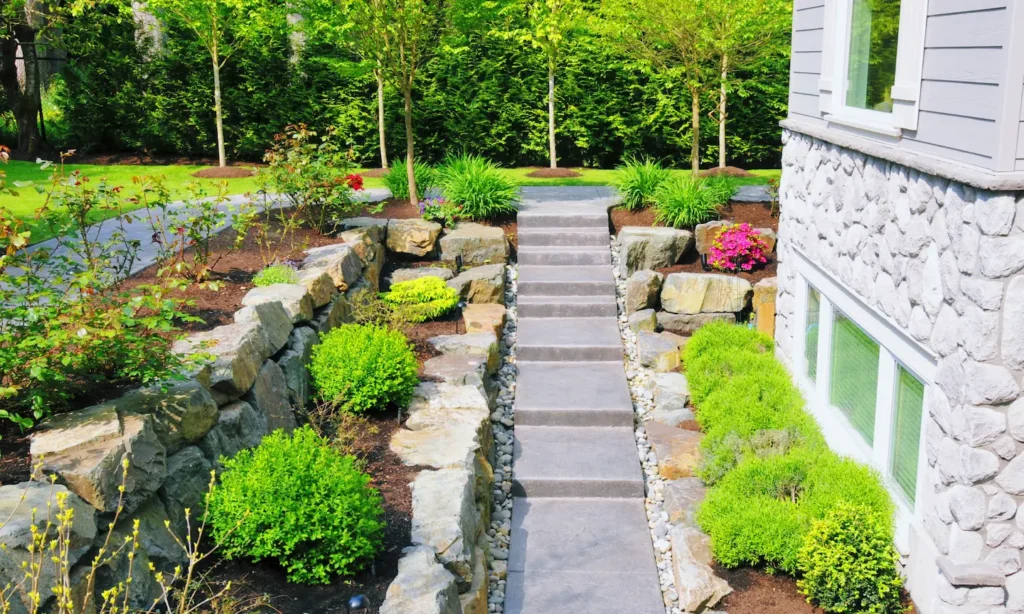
[727, 171]
[226, 172]
[553, 173]
[376, 172]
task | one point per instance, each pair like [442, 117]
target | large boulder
[669, 390]
[340, 261]
[182, 413]
[458, 369]
[38, 509]
[423, 586]
[368, 242]
[687, 324]
[482, 284]
[319, 284]
[377, 227]
[238, 350]
[643, 320]
[415, 237]
[188, 480]
[294, 362]
[269, 396]
[678, 450]
[652, 248]
[444, 517]
[71, 430]
[474, 344]
[239, 427]
[642, 290]
[706, 233]
[94, 470]
[692, 293]
[484, 317]
[273, 318]
[338, 312]
[659, 351]
[156, 538]
[295, 298]
[698, 587]
[441, 273]
[682, 497]
[476, 244]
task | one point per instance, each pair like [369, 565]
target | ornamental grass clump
[276, 274]
[397, 179]
[478, 187]
[638, 181]
[361, 368]
[297, 500]
[738, 248]
[684, 202]
[419, 300]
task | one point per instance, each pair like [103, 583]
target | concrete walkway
[580, 541]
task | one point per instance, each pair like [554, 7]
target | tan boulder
[769, 237]
[698, 587]
[678, 450]
[484, 317]
[482, 284]
[706, 233]
[416, 237]
[476, 244]
[295, 298]
[340, 261]
[319, 285]
[692, 293]
[764, 305]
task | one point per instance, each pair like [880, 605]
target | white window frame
[896, 349]
[906, 91]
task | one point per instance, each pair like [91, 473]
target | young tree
[742, 32]
[20, 21]
[673, 37]
[402, 32]
[550, 24]
[223, 27]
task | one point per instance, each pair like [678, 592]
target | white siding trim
[1008, 148]
[909, 62]
[828, 53]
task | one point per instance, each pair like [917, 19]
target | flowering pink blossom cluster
[738, 248]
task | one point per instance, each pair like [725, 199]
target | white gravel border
[657, 517]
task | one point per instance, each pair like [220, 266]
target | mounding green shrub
[848, 562]
[638, 181]
[298, 501]
[422, 299]
[362, 368]
[477, 186]
[684, 202]
[397, 179]
[276, 273]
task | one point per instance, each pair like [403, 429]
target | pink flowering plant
[738, 248]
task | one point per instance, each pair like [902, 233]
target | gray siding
[805, 63]
[1020, 139]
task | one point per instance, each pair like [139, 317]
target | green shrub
[364, 367]
[848, 562]
[298, 501]
[638, 180]
[422, 299]
[684, 202]
[397, 179]
[478, 187]
[717, 350]
[276, 274]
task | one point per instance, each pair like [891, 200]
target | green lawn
[177, 178]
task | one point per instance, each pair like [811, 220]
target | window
[906, 434]
[854, 386]
[811, 336]
[871, 67]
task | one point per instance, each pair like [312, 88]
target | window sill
[860, 124]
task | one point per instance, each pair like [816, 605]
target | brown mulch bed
[418, 334]
[224, 172]
[622, 217]
[554, 173]
[375, 172]
[15, 464]
[392, 478]
[727, 171]
[756, 592]
[757, 215]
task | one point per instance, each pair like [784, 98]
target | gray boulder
[319, 284]
[295, 298]
[669, 390]
[444, 517]
[423, 586]
[294, 363]
[652, 248]
[273, 318]
[643, 320]
[484, 345]
[334, 315]
[239, 427]
[415, 273]
[182, 414]
[460, 370]
[188, 480]
[155, 536]
[482, 284]
[369, 245]
[698, 587]
[340, 261]
[682, 497]
[659, 351]
[238, 351]
[416, 237]
[269, 396]
[476, 244]
[687, 324]
[377, 227]
[642, 289]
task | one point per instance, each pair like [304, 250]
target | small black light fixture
[358, 604]
[704, 264]
[461, 305]
[458, 264]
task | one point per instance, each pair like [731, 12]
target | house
[901, 276]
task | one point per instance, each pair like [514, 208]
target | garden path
[580, 542]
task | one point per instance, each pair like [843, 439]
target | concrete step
[577, 461]
[569, 339]
[564, 237]
[534, 306]
[590, 556]
[564, 256]
[567, 216]
[565, 280]
[572, 394]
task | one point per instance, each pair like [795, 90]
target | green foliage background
[481, 92]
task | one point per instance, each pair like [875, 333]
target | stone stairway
[580, 541]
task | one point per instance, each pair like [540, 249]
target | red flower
[354, 181]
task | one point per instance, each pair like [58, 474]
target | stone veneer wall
[943, 262]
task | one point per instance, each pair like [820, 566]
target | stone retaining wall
[942, 263]
[173, 436]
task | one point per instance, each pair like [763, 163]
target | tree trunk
[221, 156]
[722, 115]
[410, 146]
[695, 144]
[380, 119]
[551, 115]
[22, 94]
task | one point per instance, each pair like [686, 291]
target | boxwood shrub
[297, 500]
[419, 300]
[361, 368]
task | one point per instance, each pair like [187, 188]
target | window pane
[907, 431]
[874, 33]
[855, 375]
[811, 335]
